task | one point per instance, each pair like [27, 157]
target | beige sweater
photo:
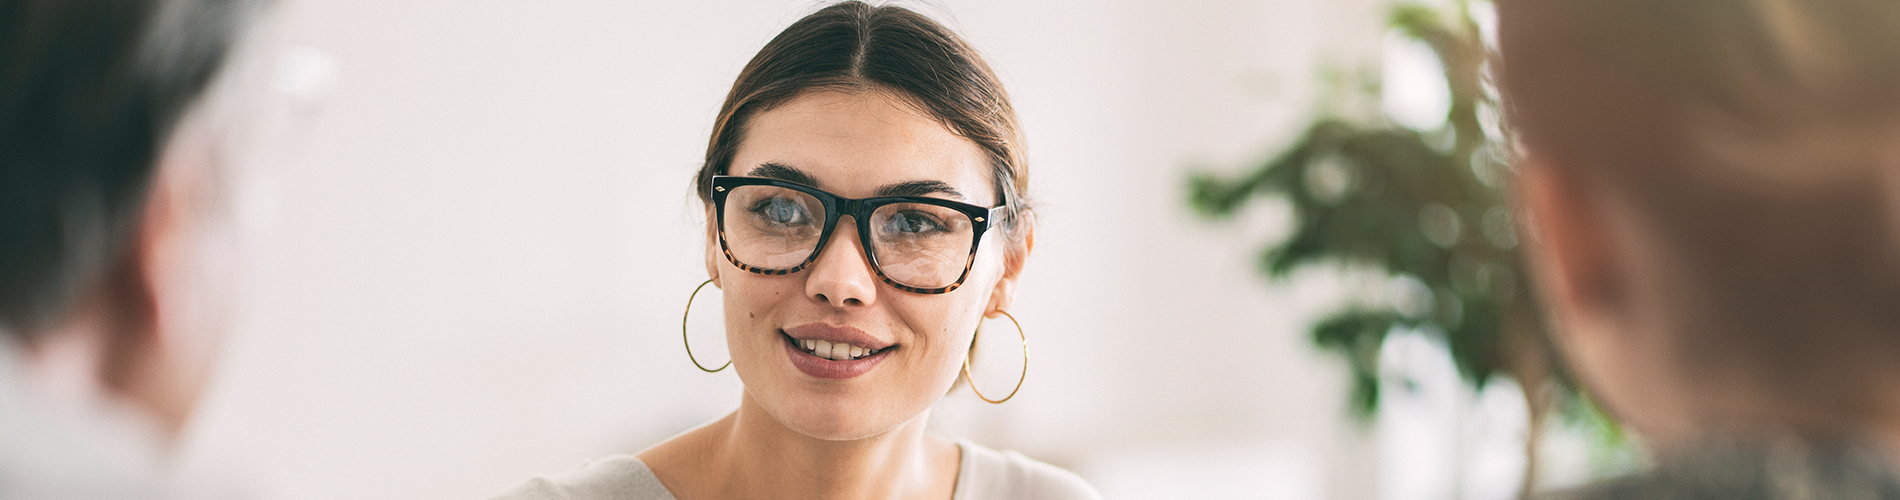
[982, 474]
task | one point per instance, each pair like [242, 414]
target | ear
[159, 351]
[712, 246]
[1583, 256]
[1014, 257]
[1569, 244]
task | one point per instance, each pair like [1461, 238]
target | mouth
[830, 352]
[834, 351]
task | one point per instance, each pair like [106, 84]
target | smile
[835, 351]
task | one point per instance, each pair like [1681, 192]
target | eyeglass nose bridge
[858, 210]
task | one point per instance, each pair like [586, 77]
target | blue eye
[781, 211]
[911, 223]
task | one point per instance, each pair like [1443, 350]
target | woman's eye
[911, 223]
[780, 211]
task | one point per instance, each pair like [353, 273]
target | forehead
[852, 144]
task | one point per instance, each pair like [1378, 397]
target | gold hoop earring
[689, 342]
[1019, 378]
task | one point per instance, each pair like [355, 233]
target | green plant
[1427, 207]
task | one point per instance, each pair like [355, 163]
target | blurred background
[474, 234]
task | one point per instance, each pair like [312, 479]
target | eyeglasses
[916, 244]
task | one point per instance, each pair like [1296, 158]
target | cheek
[943, 326]
[750, 301]
[956, 315]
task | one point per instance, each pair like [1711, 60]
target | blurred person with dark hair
[111, 227]
[865, 209]
[1711, 190]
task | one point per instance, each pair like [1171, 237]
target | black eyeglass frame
[860, 210]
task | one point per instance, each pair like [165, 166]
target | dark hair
[89, 92]
[855, 47]
[1758, 139]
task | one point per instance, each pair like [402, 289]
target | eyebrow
[788, 173]
[784, 173]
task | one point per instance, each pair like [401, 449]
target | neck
[750, 454]
[1730, 414]
[57, 379]
[96, 359]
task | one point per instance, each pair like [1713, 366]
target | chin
[859, 407]
[836, 417]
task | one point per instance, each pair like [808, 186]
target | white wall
[472, 257]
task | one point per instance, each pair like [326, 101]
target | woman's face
[856, 145]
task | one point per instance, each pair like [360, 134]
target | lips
[834, 352]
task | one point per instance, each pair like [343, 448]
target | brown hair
[855, 47]
[1761, 139]
[90, 91]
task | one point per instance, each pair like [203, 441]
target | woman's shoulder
[986, 473]
[617, 477]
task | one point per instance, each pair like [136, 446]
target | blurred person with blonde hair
[110, 230]
[1711, 190]
[865, 213]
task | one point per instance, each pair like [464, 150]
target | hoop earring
[689, 342]
[1019, 378]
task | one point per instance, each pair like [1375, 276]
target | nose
[842, 275]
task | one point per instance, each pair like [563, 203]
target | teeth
[833, 351]
[821, 348]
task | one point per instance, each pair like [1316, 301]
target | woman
[862, 190]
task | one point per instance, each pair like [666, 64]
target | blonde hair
[1761, 138]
